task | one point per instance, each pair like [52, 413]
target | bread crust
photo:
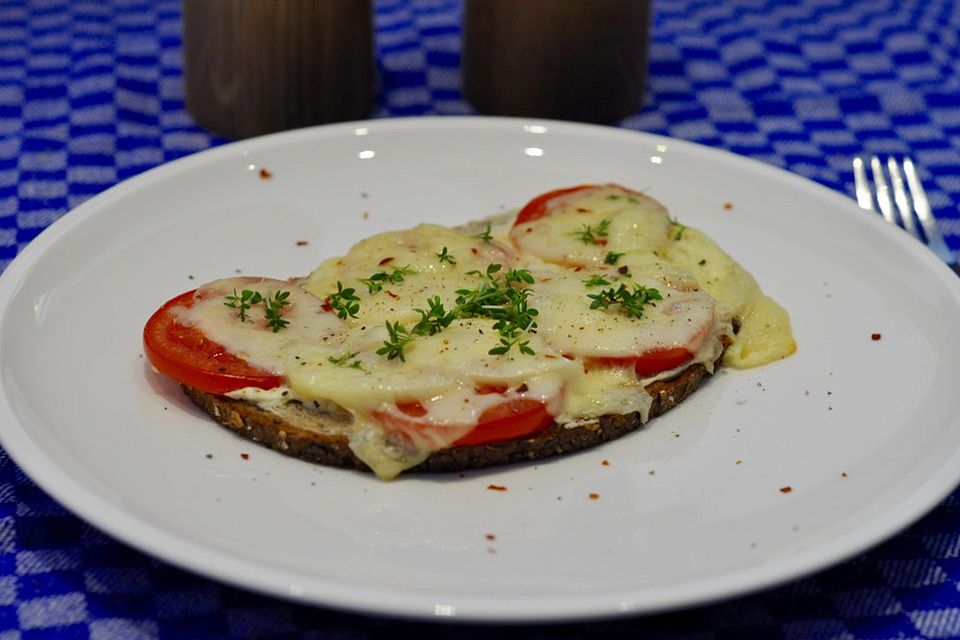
[329, 446]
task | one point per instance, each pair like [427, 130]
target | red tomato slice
[188, 356]
[505, 421]
[540, 206]
[651, 362]
[508, 420]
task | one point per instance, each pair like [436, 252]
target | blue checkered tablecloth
[91, 93]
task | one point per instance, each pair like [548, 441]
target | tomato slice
[650, 363]
[188, 356]
[659, 360]
[508, 420]
[540, 206]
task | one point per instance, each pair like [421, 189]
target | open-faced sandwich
[566, 324]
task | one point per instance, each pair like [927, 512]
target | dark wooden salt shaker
[257, 66]
[580, 60]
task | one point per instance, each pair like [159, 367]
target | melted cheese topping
[396, 277]
[634, 223]
[680, 318]
[765, 334]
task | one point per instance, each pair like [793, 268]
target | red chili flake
[392, 295]
[594, 496]
[491, 537]
[496, 487]
[582, 210]
[601, 241]
[567, 356]
[474, 251]
[728, 205]
[874, 336]
[786, 489]
[265, 175]
[302, 243]
[605, 463]
[386, 260]
[326, 306]
[245, 456]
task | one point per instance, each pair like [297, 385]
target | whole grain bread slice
[319, 432]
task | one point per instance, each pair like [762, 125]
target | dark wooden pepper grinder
[566, 59]
[257, 66]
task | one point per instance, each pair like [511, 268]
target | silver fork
[897, 191]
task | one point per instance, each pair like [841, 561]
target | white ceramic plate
[865, 433]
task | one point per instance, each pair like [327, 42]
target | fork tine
[901, 198]
[909, 196]
[864, 194]
[883, 190]
[922, 208]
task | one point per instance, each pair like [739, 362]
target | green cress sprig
[347, 360]
[275, 319]
[344, 301]
[680, 229]
[445, 256]
[596, 281]
[247, 298]
[504, 299]
[486, 236]
[630, 303]
[500, 298]
[399, 337]
[243, 302]
[592, 235]
[434, 319]
[376, 282]
[612, 257]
